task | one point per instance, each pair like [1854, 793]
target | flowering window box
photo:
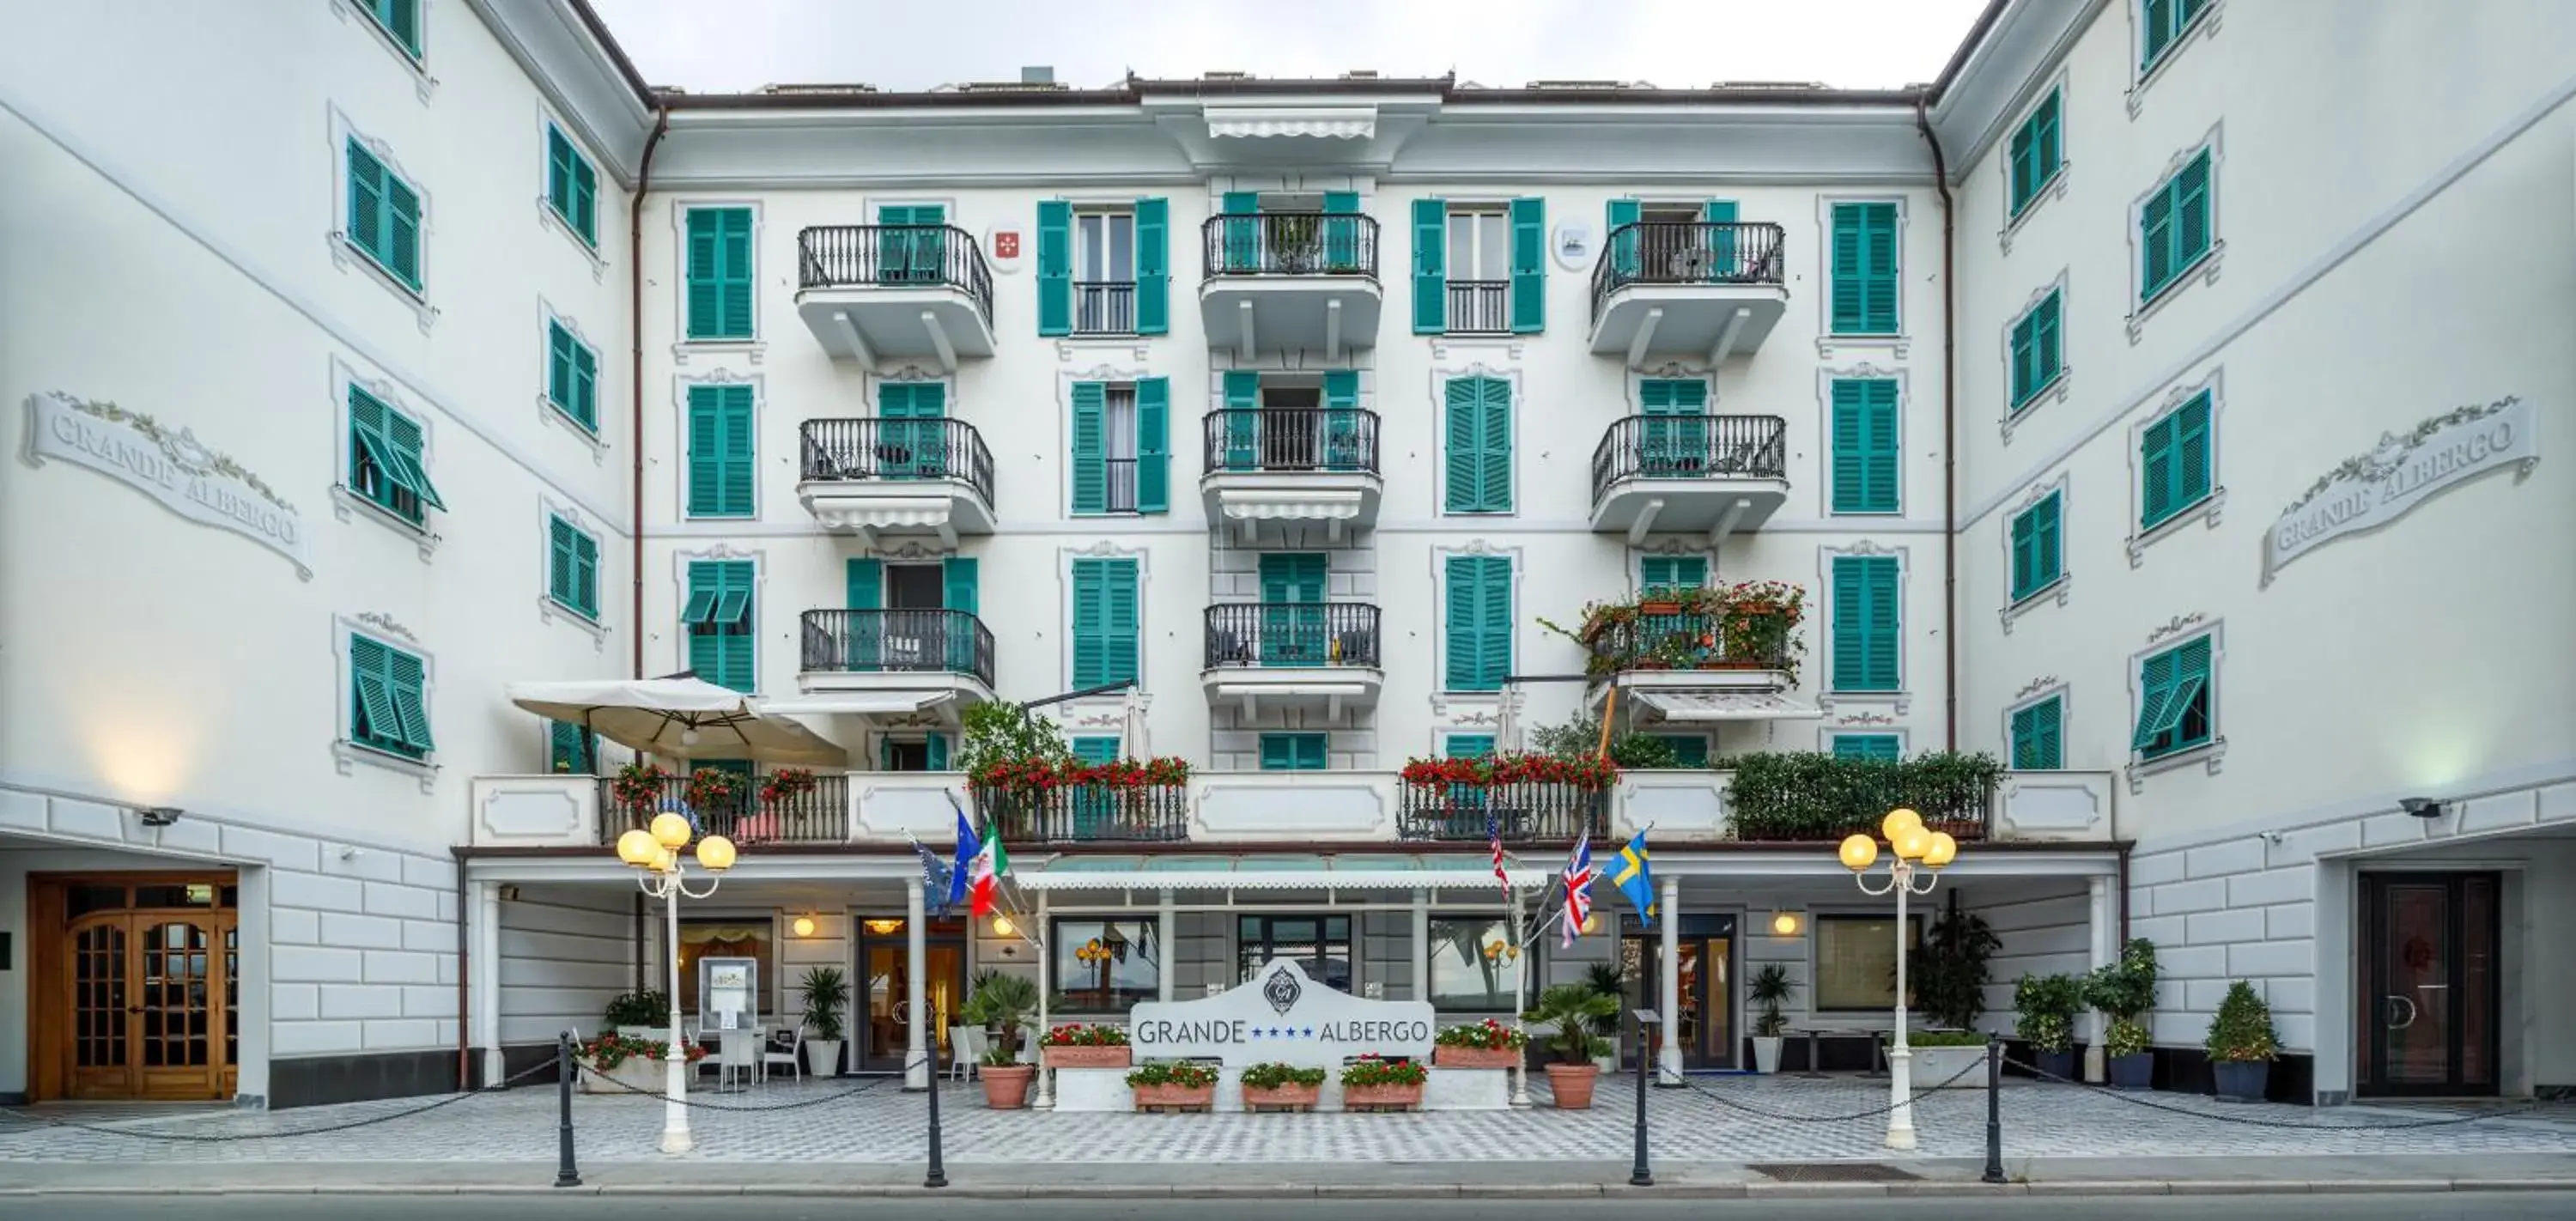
[1485, 1044]
[1475, 1057]
[1088, 1057]
[1175, 1085]
[1372, 1084]
[1085, 1045]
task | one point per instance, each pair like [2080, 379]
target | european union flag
[1635, 880]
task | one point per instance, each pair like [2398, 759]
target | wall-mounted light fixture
[1785, 924]
[884, 928]
[804, 926]
[2422, 807]
[159, 816]
[1002, 926]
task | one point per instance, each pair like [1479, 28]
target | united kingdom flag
[1578, 889]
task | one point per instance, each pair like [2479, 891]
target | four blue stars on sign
[1283, 1032]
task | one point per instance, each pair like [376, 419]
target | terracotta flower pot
[1006, 1086]
[1572, 1084]
[1659, 608]
[1355, 1097]
[1201, 1096]
[1474, 1057]
[1281, 1097]
[1087, 1057]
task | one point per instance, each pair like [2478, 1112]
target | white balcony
[1714, 476]
[1701, 291]
[881, 293]
[1281, 281]
[1280, 467]
[1321, 658]
[877, 476]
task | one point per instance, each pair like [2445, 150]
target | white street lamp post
[1919, 858]
[656, 853]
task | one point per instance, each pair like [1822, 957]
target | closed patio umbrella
[683, 717]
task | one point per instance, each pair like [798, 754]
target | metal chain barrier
[2132, 1098]
[1719, 1097]
[218, 1138]
[692, 1102]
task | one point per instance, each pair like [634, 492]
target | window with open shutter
[2164, 22]
[2174, 708]
[1866, 620]
[720, 621]
[400, 20]
[1478, 621]
[1090, 447]
[1865, 454]
[1430, 266]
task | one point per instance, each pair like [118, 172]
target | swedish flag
[1635, 880]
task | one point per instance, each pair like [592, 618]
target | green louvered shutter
[706, 450]
[561, 559]
[2157, 480]
[1292, 617]
[1479, 644]
[960, 581]
[1865, 623]
[585, 584]
[1689, 749]
[559, 374]
[1529, 266]
[1090, 623]
[1663, 572]
[1055, 267]
[705, 273]
[733, 292]
[2047, 554]
[1464, 461]
[1241, 249]
[1848, 271]
[402, 231]
[407, 451]
[1292, 752]
[401, 18]
[1242, 419]
[372, 718]
[585, 199]
[2035, 740]
[1153, 445]
[1865, 454]
[863, 589]
[2191, 213]
[2047, 357]
[2191, 452]
[1494, 429]
[1344, 449]
[863, 584]
[568, 749]
[1090, 455]
[1878, 248]
[1124, 619]
[366, 227]
[559, 160]
[1467, 746]
[2155, 242]
[1720, 216]
[408, 680]
[1430, 266]
[585, 386]
[1880, 746]
[934, 755]
[1626, 248]
[1153, 266]
[720, 621]
[1341, 231]
[2025, 553]
[735, 439]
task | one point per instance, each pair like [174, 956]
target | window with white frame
[1480, 268]
[1104, 271]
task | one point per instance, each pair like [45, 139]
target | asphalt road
[2497, 1206]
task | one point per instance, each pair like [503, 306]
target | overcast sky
[730, 45]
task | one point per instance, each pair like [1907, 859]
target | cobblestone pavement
[1729, 1119]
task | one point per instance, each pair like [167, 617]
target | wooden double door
[139, 996]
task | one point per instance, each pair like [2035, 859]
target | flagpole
[1520, 1003]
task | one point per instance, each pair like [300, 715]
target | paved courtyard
[1718, 1119]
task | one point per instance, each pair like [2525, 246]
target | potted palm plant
[2046, 1006]
[1001, 1002]
[826, 991]
[1609, 980]
[2124, 991]
[2242, 1045]
[1768, 988]
[1569, 1010]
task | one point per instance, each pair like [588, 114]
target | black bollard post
[1640, 1175]
[566, 1174]
[938, 1176]
[1994, 1108]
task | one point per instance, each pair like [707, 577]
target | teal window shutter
[1719, 214]
[720, 623]
[734, 295]
[409, 457]
[1096, 749]
[1430, 263]
[863, 584]
[2156, 473]
[585, 386]
[959, 578]
[1240, 251]
[1866, 457]
[720, 459]
[1105, 625]
[935, 753]
[1055, 267]
[2037, 557]
[409, 677]
[1090, 447]
[2173, 700]
[1866, 620]
[1863, 269]
[2035, 351]
[1689, 749]
[863, 589]
[719, 273]
[1529, 266]
[1626, 254]
[1292, 619]
[568, 749]
[1125, 622]
[1242, 421]
[385, 458]
[560, 377]
[2173, 227]
[1153, 266]
[388, 709]
[401, 21]
[1153, 445]
[1341, 234]
[1673, 433]
[572, 186]
[1468, 746]
[1479, 622]
[1672, 572]
[2174, 459]
[1478, 463]
[1292, 752]
[1867, 746]
[2035, 152]
[2165, 22]
[572, 567]
[384, 216]
[2036, 742]
[1344, 449]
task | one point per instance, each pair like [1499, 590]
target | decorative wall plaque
[174, 468]
[2371, 490]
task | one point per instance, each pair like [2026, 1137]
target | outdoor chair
[737, 1057]
[793, 1057]
[967, 1046]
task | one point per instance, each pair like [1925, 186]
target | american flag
[1494, 837]
[1578, 889]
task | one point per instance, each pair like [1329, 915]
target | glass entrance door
[1704, 962]
[151, 1004]
[885, 1024]
[2429, 989]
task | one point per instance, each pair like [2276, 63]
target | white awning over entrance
[1699, 707]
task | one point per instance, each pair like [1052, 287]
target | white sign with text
[2374, 489]
[173, 468]
[1281, 1015]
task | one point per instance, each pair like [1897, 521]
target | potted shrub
[637, 789]
[2125, 991]
[1947, 1057]
[2242, 1045]
[642, 1015]
[826, 990]
[629, 1064]
[1607, 979]
[1947, 974]
[1181, 1085]
[1281, 1087]
[1085, 1045]
[1001, 1002]
[1768, 988]
[1372, 1084]
[1485, 1044]
[2046, 1006]
[1569, 1009]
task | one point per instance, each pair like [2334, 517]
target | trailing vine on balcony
[1815, 796]
[1591, 773]
[1743, 625]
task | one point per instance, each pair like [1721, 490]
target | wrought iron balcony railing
[1687, 252]
[895, 256]
[1292, 439]
[819, 815]
[874, 448]
[1691, 640]
[1690, 447]
[1291, 244]
[1292, 634]
[1525, 813]
[881, 641]
[1089, 814]
[1479, 307]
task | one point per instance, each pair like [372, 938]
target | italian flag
[984, 874]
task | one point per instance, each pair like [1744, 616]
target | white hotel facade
[441, 353]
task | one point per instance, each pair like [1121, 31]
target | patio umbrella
[681, 718]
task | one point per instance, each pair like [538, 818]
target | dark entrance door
[2429, 983]
[884, 1021]
[1705, 964]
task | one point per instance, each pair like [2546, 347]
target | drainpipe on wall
[464, 971]
[1949, 431]
[635, 333]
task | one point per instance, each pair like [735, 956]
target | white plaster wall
[1569, 397]
[2046, 929]
[566, 951]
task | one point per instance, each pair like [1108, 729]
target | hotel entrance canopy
[1276, 871]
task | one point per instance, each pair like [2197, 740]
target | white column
[2105, 909]
[485, 950]
[1422, 945]
[916, 1073]
[1045, 1101]
[1167, 933]
[1668, 999]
